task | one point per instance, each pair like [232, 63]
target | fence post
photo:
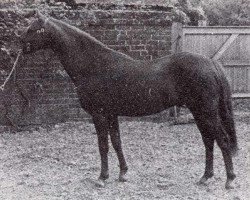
[176, 37]
[202, 22]
[176, 46]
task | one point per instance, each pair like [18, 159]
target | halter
[12, 70]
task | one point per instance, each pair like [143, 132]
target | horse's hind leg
[206, 128]
[209, 171]
[224, 145]
[209, 123]
[116, 142]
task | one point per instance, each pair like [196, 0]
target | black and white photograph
[124, 99]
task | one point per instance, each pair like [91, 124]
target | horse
[111, 84]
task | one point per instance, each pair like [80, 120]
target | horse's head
[36, 36]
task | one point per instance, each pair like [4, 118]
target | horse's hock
[41, 92]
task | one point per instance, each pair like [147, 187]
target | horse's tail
[226, 110]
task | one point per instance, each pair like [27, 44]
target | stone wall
[40, 90]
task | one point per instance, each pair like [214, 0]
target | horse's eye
[42, 30]
[38, 31]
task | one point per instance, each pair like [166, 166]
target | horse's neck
[76, 50]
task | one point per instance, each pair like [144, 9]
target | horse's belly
[136, 111]
[142, 105]
[129, 100]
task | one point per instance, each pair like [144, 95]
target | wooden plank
[176, 37]
[225, 46]
[241, 79]
[235, 63]
[214, 42]
[239, 49]
[191, 44]
[216, 30]
[241, 95]
[217, 27]
[248, 80]
[176, 46]
[236, 66]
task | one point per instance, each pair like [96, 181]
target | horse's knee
[104, 149]
[223, 142]
[103, 144]
[116, 141]
[116, 145]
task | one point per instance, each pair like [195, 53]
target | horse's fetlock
[231, 176]
[123, 168]
[209, 174]
[104, 176]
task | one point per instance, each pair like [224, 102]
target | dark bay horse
[111, 84]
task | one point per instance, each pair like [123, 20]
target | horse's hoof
[229, 185]
[202, 181]
[100, 183]
[122, 178]
[199, 183]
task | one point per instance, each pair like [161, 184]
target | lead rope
[12, 70]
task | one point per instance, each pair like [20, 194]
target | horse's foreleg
[101, 126]
[116, 142]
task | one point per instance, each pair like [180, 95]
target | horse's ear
[29, 14]
[36, 14]
[40, 16]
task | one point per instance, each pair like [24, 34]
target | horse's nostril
[28, 46]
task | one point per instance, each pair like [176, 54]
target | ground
[62, 162]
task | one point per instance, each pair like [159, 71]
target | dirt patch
[165, 162]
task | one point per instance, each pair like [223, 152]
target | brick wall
[41, 91]
[147, 2]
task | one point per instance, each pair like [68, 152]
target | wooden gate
[229, 45]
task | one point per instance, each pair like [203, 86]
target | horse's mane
[78, 33]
